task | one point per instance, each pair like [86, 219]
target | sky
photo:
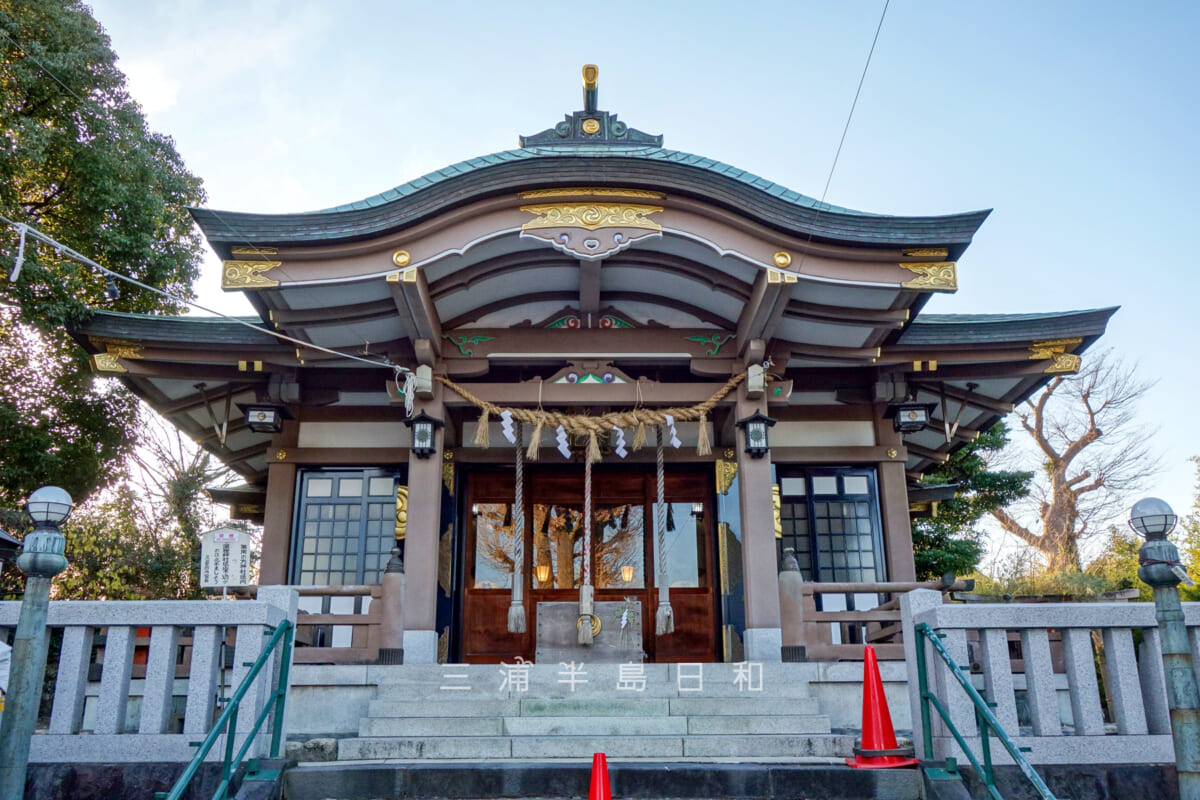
[1074, 121]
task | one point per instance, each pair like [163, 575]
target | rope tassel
[585, 590]
[703, 446]
[516, 608]
[639, 436]
[481, 432]
[664, 618]
[535, 443]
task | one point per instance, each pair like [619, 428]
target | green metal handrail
[984, 718]
[281, 636]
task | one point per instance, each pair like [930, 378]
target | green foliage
[78, 163]
[1187, 537]
[951, 542]
[1030, 580]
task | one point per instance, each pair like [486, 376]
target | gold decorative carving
[106, 362]
[591, 216]
[592, 190]
[591, 126]
[1055, 350]
[280, 455]
[248, 274]
[892, 452]
[445, 541]
[936, 276]
[125, 350]
[729, 454]
[254, 251]
[448, 470]
[249, 509]
[401, 512]
[927, 252]
[401, 258]
[777, 507]
[783, 259]
[591, 77]
[1064, 363]
[444, 645]
[726, 472]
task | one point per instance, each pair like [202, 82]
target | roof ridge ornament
[590, 126]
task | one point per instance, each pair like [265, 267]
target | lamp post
[1160, 568]
[41, 559]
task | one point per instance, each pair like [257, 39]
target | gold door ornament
[401, 512]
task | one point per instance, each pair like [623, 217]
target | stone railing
[1091, 688]
[115, 700]
[836, 633]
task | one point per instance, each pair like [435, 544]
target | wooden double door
[625, 556]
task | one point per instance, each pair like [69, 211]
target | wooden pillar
[893, 504]
[421, 543]
[764, 637]
[277, 520]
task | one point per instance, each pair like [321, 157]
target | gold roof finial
[591, 74]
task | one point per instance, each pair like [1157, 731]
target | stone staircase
[684, 712]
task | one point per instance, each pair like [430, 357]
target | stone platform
[543, 711]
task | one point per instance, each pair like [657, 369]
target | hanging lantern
[754, 428]
[424, 428]
[627, 574]
[909, 417]
[542, 571]
[264, 417]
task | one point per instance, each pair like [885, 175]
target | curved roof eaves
[646, 167]
[934, 329]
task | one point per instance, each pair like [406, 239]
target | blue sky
[1074, 121]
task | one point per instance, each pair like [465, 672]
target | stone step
[489, 687]
[440, 747]
[444, 708]
[768, 746]
[595, 726]
[621, 746]
[595, 707]
[585, 746]
[431, 726]
[760, 724]
[683, 779]
[743, 706]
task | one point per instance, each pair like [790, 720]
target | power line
[24, 229]
[846, 128]
[77, 256]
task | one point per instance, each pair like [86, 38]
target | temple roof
[982, 328]
[590, 241]
[589, 165]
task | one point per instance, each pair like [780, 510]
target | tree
[1188, 539]
[950, 542]
[1093, 454]
[78, 163]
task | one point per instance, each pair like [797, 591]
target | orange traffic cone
[878, 749]
[600, 789]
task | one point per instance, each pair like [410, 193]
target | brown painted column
[893, 504]
[760, 571]
[421, 543]
[277, 518]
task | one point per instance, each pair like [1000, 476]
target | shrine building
[506, 364]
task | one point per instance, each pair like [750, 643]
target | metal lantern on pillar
[424, 428]
[754, 428]
[909, 417]
[264, 417]
[1152, 518]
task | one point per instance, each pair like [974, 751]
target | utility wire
[846, 128]
[23, 229]
[75, 255]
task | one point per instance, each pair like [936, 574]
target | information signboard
[224, 558]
